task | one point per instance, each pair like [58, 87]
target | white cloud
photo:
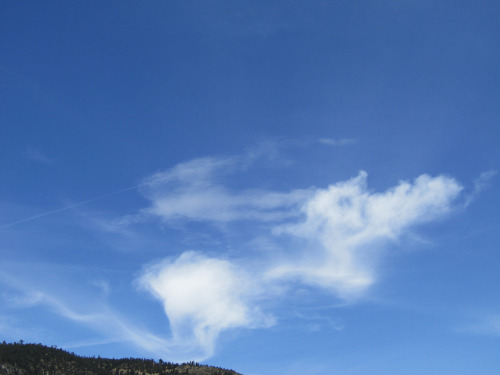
[203, 297]
[329, 238]
[335, 237]
[345, 224]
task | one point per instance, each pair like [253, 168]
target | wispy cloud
[317, 322]
[113, 326]
[102, 285]
[37, 156]
[23, 300]
[487, 324]
[337, 142]
[192, 191]
[95, 315]
[481, 183]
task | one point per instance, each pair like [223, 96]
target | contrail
[47, 213]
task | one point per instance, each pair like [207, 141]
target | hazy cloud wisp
[191, 191]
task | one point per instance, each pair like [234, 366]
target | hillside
[37, 359]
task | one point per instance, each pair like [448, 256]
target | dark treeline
[37, 359]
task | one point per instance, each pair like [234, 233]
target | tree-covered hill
[37, 359]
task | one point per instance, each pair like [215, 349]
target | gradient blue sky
[277, 187]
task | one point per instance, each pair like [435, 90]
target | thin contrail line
[68, 207]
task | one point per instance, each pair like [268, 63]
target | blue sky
[277, 187]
